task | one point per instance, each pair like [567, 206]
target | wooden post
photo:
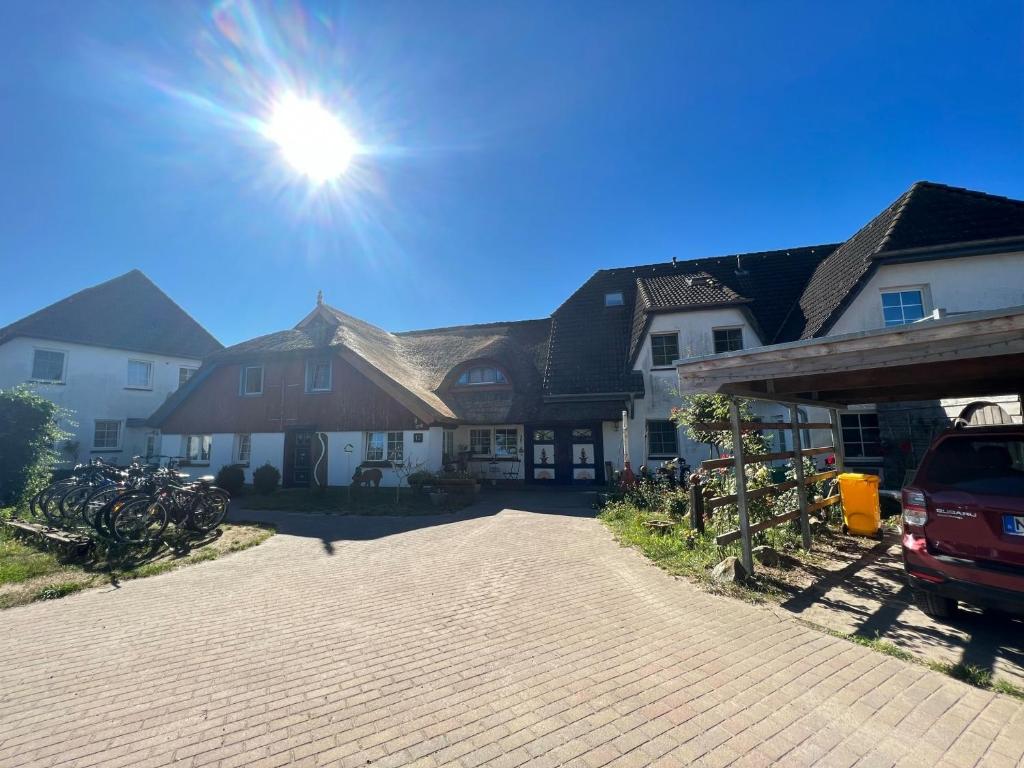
[837, 439]
[798, 465]
[741, 486]
[696, 504]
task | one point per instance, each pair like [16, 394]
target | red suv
[963, 522]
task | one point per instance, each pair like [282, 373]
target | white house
[109, 356]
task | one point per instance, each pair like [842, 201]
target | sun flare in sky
[311, 138]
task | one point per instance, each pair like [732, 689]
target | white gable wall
[968, 284]
[95, 387]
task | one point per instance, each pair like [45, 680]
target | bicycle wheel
[139, 521]
[70, 504]
[96, 501]
[49, 497]
[209, 511]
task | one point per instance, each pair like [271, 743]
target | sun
[311, 138]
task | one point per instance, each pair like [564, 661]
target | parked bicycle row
[131, 505]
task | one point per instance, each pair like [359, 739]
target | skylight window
[613, 299]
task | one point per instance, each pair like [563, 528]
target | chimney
[319, 298]
[739, 266]
[673, 262]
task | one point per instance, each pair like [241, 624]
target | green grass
[20, 562]
[28, 574]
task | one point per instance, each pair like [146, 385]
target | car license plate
[1013, 525]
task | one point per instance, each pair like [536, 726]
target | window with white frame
[448, 446]
[506, 442]
[197, 448]
[151, 444]
[862, 439]
[140, 374]
[48, 366]
[184, 374]
[251, 380]
[781, 435]
[243, 448]
[381, 446]
[106, 434]
[662, 440]
[318, 375]
[902, 307]
[664, 349]
[482, 375]
[480, 442]
[727, 339]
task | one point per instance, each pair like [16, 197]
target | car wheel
[936, 606]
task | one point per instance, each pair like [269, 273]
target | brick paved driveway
[512, 638]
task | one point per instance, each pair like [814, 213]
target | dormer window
[613, 299]
[484, 374]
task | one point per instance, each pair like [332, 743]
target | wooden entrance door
[298, 457]
[564, 454]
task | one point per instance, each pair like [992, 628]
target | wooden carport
[974, 354]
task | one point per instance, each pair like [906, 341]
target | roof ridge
[967, 191]
[900, 203]
[727, 256]
[468, 326]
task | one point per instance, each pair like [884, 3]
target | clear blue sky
[512, 148]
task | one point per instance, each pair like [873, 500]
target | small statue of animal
[367, 476]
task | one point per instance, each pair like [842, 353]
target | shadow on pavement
[332, 527]
[868, 596]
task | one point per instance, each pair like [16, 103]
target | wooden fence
[741, 459]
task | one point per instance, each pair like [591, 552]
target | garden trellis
[741, 458]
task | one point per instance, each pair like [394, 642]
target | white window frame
[128, 374]
[505, 452]
[244, 379]
[120, 434]
[191, 372]
[63, 369]
[310, 389]
[743, 341]
[448, 445]
[380, 446]
[186, 444]
[900, 289]
[154, 438]
[481, 431]
[664, 335]
[243, 439]
[614, 299]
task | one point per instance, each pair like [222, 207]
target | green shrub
[266, 478]
[421, 477]
[28, 432]
[231, 478]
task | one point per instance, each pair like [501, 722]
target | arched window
[481, 374]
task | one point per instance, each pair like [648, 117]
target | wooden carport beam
[741, 485]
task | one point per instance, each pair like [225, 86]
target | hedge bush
[231, 478]
[266, 478]
[28, 433]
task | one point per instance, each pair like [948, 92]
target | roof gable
[592, 345]
[128, 312]
[927, 215]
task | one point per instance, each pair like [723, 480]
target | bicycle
[197, 506]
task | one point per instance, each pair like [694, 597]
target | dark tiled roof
[591, 343]
[674, 293]
[129, 312]
[927, 215]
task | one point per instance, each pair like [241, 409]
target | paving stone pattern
[496, 638]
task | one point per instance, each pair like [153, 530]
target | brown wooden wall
[354, 403]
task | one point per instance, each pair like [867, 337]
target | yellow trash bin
[862, 515]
